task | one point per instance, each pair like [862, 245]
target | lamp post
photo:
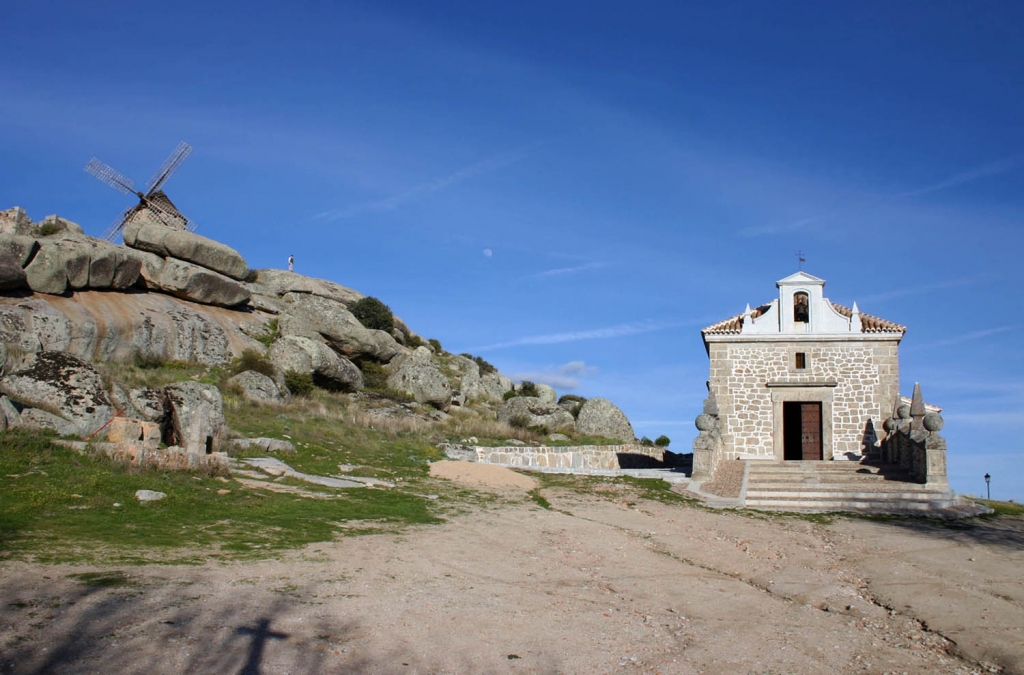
[988, 488]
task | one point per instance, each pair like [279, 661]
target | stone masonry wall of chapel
[867, 374]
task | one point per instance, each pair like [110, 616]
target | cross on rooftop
[801, 259]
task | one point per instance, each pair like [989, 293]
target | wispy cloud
[562, 377]
[620, 330]
[427, 189]
[960, 339]
[777, 229]
[569, 270]
[983, 171]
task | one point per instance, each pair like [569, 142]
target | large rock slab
[69, 260]
[198, 284]
[313, 316]
[256, 387]
[196, 417]
[278, 283]
[187, 246]
[422, 380]
[12, 276]
[530, 411]
[546, 393]
[105, 326]
[19, 246]
[601, 417]
[64, 385]
[468, 374]
[494, 386]
[306, 355]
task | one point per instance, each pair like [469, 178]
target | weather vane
[800, 257]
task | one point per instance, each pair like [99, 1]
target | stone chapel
[798, 378]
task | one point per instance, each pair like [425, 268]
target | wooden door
[810, 431]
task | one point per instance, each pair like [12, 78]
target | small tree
[662, 441]
[527, 388]
[373, 314]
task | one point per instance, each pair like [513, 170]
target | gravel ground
[593, 585]
[727, 481]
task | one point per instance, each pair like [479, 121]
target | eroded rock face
[547, 393]
[198, 284]
[11, 274]
[186, 246]
[63, 385]
[312, 316]
[494, 385]
[421, 380]
[69, 260]
[19, 246]
[468, 374]
[278, 283]
[196, 417]
[601, 417]
[256, 387]
[530, 411]
[306, 355]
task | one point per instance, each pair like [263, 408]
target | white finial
[855, 324]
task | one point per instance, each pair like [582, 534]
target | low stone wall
[567, 458]
[172, 458]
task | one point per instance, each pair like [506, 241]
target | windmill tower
[154, 204]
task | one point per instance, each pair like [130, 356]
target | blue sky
[572, 190]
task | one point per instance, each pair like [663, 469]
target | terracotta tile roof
[869, 323]
[734, 324]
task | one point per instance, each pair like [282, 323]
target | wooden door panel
[810, 430]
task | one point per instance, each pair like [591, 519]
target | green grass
[1001, 508]
[58, 506]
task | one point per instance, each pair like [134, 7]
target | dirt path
[595, 585]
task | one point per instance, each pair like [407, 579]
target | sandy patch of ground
[595, 585]
[484, 475]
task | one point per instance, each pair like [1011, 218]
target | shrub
[646, 441]
[485, 367]
[50, 227]
[373, 314]
[299, 384]
[374, 377]
[520, 421]
[147, 361]
[436, 344]
[412, 341]
[511, 393]
[572, 398]
[252, 360]
[662, 441]
[268, 338]
[527, 388]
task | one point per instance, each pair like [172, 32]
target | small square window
[801, 361]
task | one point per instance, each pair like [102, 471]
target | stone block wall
[577, 457]
[863, 376]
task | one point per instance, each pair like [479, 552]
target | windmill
[153, 202]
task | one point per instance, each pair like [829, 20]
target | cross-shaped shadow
[260, 634]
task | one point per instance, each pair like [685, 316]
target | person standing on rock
[291, 263]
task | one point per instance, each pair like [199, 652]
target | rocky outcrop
[119, 327]
[12, 276]
[546, 393]
[256, 387]
[420, 378]
[316, 317]
[278, 283]
[306, 355]
[74, 261]
[530, 411]
[16, 221]
[22, 248]
[186, 246]
[495, 386]
[198, 284]
[62, 385]
[601, 417]
[196, 417]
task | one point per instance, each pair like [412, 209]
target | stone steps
[838, 486]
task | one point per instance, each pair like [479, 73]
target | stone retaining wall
[576, 457]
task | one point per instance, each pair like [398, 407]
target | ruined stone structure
[798, 378]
